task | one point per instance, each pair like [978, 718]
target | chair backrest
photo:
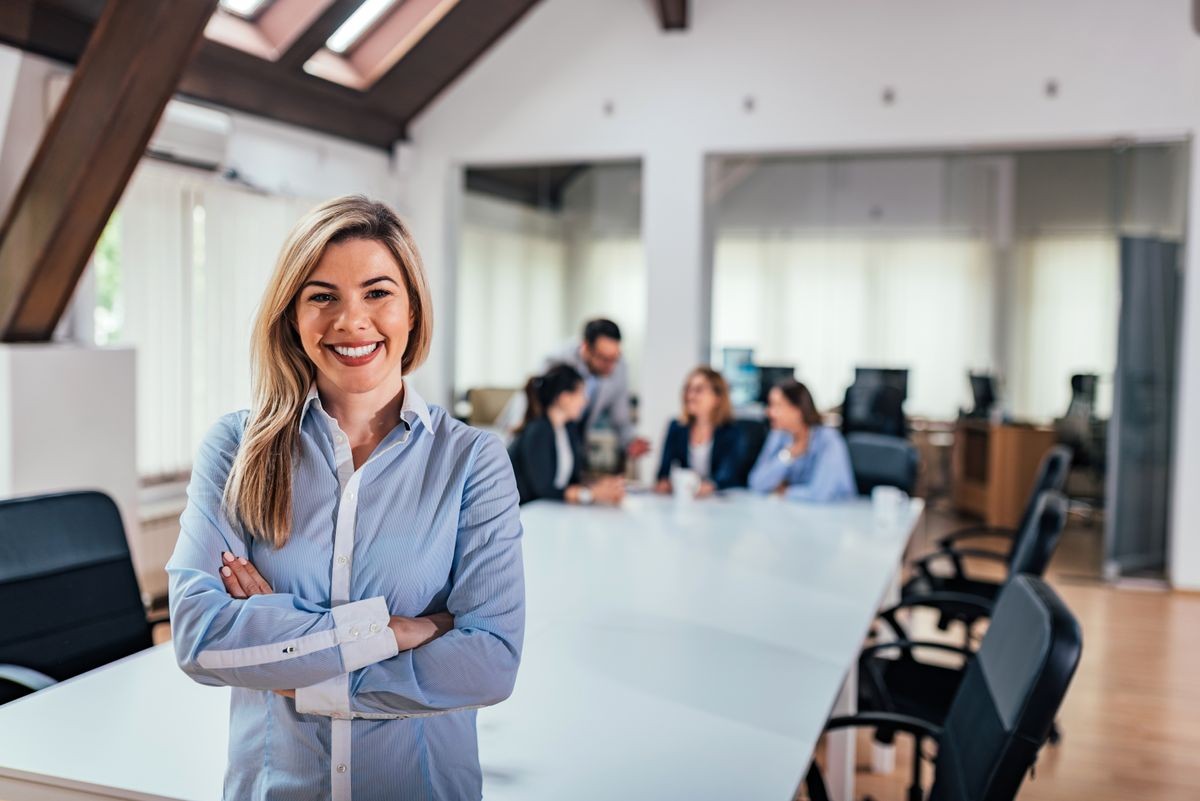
[1010, 693]
[880, 460]
[1034, 545]
[67, 587]
[874, 408]
[754, 435]
[1051, 475]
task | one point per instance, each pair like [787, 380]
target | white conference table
[672, 651]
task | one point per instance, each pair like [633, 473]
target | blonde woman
[349, 560]
[704, 438]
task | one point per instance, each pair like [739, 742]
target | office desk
[994, 467]
[671, 652]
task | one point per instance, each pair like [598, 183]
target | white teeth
[355, 353]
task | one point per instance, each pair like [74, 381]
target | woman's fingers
[230, 580]
[249, 580]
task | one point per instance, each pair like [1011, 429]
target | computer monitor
[983, 390]
[878, 377]
[769, 376]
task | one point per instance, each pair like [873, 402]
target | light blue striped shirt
[822, 473]
[428, 523]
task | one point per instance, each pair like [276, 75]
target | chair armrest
[890, 720]
[972, 532]
[978, 553]
[920, 729]
[922, 565]
[26, 677]
[935, 600]
[908, 645]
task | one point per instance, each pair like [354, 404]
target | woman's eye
[378, 293]
[321, 297]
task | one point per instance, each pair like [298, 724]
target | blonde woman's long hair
[258, 494]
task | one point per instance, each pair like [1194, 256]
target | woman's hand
[707, 488]
[242, 579]
[413, 632]
[609, 490]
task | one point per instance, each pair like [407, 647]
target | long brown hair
[724, 412]
[258, 493]
[798, 395]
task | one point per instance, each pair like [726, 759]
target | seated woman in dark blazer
[547, 453]
[705, 438]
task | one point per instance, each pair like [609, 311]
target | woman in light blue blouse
[802, 459]
[349, 561]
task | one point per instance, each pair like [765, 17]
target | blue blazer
[727, 448]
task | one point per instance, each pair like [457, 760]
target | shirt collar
[414, 407]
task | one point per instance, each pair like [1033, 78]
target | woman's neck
[364, 416]
[701, 429]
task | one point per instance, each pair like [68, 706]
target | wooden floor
[1131, 719]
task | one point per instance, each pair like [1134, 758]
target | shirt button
[353, 632]
[341, 560]
[349, 496]
[339, 438]
[374, 627]
[341, 768]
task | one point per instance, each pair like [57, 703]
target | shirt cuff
[363, 634]
[330, 698]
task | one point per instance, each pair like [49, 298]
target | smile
[355, 356]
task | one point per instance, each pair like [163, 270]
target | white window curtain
[511, 294]
[194, 258]
[1066, 316]
[827, 304]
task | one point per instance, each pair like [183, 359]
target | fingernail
[226, 571]
[243, 561]
[227, 556]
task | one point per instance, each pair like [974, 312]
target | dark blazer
[727, 456]
[535, 460]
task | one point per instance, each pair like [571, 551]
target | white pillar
[1184, 546]
[677, 297]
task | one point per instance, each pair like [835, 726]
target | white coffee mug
[685, 483]
[887, 503]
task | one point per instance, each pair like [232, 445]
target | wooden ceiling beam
[673, 14]
[314, 38]
[286, 96]
[44, 29]
[128, 71]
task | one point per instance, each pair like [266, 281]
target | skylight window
[360, 21]
[243, 8]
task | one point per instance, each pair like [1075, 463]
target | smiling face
[601, 356]
[353, 318]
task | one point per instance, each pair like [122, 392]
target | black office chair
[880, 460]
[1051, 475]
[1004, 708]
[754, 435]
[874, 409]
[68, 590]
[1032, 549]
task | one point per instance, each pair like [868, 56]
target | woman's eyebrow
[366, 283]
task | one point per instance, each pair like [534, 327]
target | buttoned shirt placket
[349, 481]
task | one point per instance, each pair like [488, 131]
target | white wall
[965, 74]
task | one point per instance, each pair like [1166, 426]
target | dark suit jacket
[535, 460]
[726, 459]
